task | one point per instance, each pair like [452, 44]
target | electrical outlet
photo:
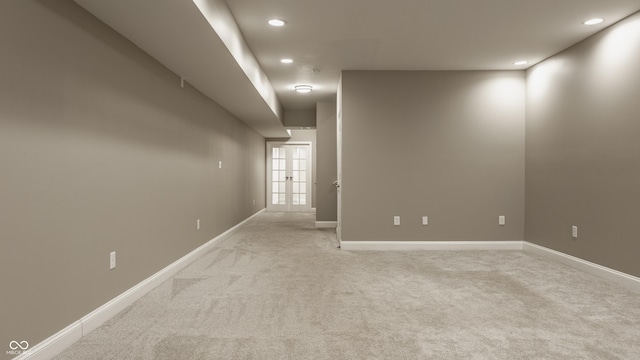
[396, 220]
[501, 220]
[198, 224]
[574, 232]
[425, 220]
[220, 164]
[112, 260]
[254, 202]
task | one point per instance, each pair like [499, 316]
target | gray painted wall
[326, 209]
[583, 149]
[100, 151]
[300, 118]
[448, 145]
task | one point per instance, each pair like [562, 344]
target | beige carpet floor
[279, 289]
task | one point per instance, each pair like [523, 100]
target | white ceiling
[335, 35]
[325, 37]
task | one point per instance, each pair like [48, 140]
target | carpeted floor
[279, 289]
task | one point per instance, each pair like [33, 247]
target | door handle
[336, 184]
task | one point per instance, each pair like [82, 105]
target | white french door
[288, 176]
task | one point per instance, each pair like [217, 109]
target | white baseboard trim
[326, 224]
[66, 337]
[431, 245]
[600, 271]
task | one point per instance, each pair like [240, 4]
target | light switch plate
[112, 260]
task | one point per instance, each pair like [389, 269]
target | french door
[288, 176]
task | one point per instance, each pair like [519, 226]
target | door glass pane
[289, 176]
[278, 173]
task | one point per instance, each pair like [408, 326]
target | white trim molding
[326, 224]
[66, 337]
[600, 271]
[431, 245]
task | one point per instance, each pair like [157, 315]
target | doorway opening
[289, 177]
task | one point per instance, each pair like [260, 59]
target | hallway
[279, 289]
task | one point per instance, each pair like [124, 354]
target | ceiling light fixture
[303, 89]
[521, 62]
[277, 22]
[286, 61]
[594, 21]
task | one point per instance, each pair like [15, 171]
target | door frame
[269, 166]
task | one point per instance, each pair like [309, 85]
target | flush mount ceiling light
[521, 62]
[277, 22]
[594, 21]
[303, 89]
[286, 61]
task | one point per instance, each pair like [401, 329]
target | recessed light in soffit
[520, 62]
[277, 22]
[594, 21]
[286, 61]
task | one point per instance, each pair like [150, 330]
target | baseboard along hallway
[279, 288]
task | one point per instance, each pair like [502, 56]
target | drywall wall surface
[300, 118]
[583, 149]
[102, 150]
[326, 209]
[446, 145]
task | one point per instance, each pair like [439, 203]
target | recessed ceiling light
[594, 21]
[277, 22]
[521, 62]
[286, 61]
[303, 89]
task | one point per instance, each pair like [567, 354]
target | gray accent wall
[300, 118]
[326, 209]
[101, 150]
[447, 145]
[583, 149]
